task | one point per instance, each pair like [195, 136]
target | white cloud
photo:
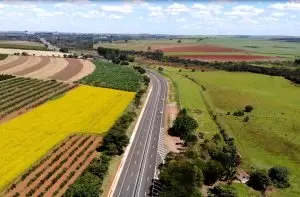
[278, 14]
[180, 20]
[185, 27]
[270, 19]
[141, 18]
[117, 8]
[90, 14]
[176, 8]
[293, 16]
[156, 12]
[244, 11]
[210, 8]
[63, 5]
[286, 6]
[114, 17]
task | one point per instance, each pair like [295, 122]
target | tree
[297, 61]
[180, 178]
[149, 48]
[116, 60]
[183, 125]
[222, 191]
[279, 176]
[238, 113]
[123, 57]
[212, 171]
[259, 180]
[64, 50]
[191, 139]
[160, 69]
[178, 41]
[248, 108]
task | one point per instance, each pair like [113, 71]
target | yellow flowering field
[25, 139]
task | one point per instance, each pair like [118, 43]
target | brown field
[199, 48]
[65, 69]
[52, 175]
[12, 51]
[226, 58]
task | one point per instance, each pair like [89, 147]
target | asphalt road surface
[143, 158]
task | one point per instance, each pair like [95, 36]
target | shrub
[223, 191]
[124, 63]
[259, 180]
[279, 176]
[160, 69]
[24, 53]
[238, 113]
[248, 108]
[246, 119]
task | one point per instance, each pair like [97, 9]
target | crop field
[18, 95]
[57, 171]
[271, 136]
[64, 69]
[27, 138]
[12, 51]
[215, 49]
[110, 75]
[15, 44]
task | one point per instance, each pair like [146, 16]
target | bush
[124, 63]
[279, 176]
[246, 119]
[24, 53]
[259, 180]
[248, 108]
[222, 191]
[160, 69]
[238, 113]
[64, 50]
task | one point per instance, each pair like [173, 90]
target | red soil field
[199, 48]
[17, 62]
[41, 64]
[73, 68]
[226, 58]
[57, 171]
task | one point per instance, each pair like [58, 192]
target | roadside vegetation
[259, 113]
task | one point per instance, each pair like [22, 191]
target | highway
[143, 157]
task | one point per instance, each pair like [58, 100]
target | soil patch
[44, 61]
[199, 48]
[14, 63]
[73, 68]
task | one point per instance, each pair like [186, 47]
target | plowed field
[46, 67]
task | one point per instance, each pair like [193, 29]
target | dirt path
[43, 62]
[54, 66]
[18, 61]
[31, 61]
[73, 68]
[88, 68]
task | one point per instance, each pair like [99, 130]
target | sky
[218, 17]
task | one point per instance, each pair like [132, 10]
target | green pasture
[257, 46]
[271, 136]
[191, 99]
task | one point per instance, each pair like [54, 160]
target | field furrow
[43, 62]
[73, 68]
[31, 61]
[88, 68]
[17, 62]
[9, 59]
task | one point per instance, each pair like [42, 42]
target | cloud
[176, 8]
[114, 17]
[210, 8]
[90, 14]
[278, 14]
[141, 18]
[156, 12]
[180, 20]
[286, 6]
[117, 8]
[63, 5]
[270, 19]
[244, 11]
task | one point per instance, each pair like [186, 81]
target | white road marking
[128, 188]
[131, 173]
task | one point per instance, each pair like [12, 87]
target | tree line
[290, 74]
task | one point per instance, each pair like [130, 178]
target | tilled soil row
[10, 58]
[73, 68]
[65, 163]
[88, 68]
[31, 61]
[18, 61]
[44, 61]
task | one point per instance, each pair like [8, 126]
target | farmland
[87, 110]
[215, 48]
[18, 95]
[65, 69]
[12, 44]
[270, 137]
[110, 75]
